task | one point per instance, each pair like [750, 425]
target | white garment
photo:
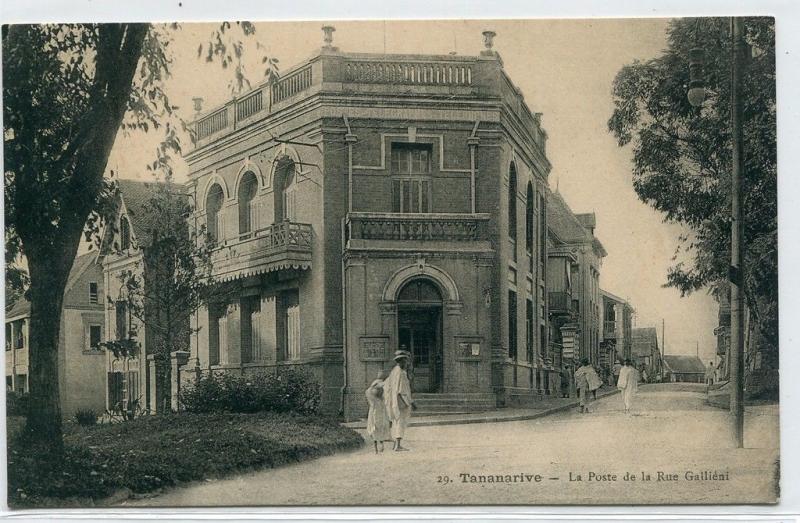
[628, 383]
[397, 397]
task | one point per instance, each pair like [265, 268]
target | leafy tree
[173, 281]
[682, 156]
[68, 89]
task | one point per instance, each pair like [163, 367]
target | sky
[565, 70]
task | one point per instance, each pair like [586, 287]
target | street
[673, 449]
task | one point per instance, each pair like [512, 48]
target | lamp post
[696, 97]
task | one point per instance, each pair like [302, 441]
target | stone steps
[453, 403]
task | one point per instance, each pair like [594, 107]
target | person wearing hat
[397, 396]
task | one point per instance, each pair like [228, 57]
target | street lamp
[696, 97]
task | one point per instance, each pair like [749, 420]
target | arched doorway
[285, 188]
[419, 331]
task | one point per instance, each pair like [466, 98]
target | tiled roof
[136, 195]
[22, 307]
[684, 364]
[562, 221]
[644, 341]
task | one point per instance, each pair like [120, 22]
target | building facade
[645, 353]
[81, 377]
[684, 369]
[617, 323]
[574, 234]
[363, 203]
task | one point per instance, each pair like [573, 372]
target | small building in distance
[81, 363]
[616, 342]
[645, 353]
[684, 369]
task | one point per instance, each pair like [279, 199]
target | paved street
[671, 432]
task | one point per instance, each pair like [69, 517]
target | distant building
[573, 235]
[617, 329]
[81, 376]
[645, 353]
[684, 369]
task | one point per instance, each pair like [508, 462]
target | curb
[422, 422]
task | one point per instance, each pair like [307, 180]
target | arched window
[247, 192]
[124, 233]
[214, 224]
[285, 188]
[419, 291]
[529, 219]
[512, 203]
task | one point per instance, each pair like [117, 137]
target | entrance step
[453, 403]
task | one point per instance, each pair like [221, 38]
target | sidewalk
[542, 408]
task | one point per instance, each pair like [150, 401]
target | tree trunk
[48, 279]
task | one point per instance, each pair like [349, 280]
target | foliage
[17, 403]
[86, 417]
[160, 451]
[288, 390]
[682, 156]
[17, 280]
[121, 349]
[127, 411]
[67, 91]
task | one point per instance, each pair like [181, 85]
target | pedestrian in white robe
[397, 398]
[378, 424]
[628, 383]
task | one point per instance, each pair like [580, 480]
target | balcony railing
[284, 245]
[420, 73]
[560, 302]
[417, 227]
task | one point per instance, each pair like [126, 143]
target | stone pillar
[177, 360]
[152, 381]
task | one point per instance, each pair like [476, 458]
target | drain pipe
[349, 139]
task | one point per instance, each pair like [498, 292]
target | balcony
[609, 329]
[560, 302]
[404, 231]
[284, 245]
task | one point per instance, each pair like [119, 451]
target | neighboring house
[81, 363]
[684, 369]
[563, 321]
[130, 381]
[574, 234]
[645, 353]
[617, 319]
[366, 202]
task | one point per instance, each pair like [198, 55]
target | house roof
[684, 364]
[644, 341]
[22, 307]
[612, 297]
[570, 227]
[136, 195]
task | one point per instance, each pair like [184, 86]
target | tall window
[541, 231]
[289, 325]
[216, 331]
[529, 212]
[285, 191]
[214, 225]
[529, 330]
[121, 317]
[411, 183]
[247, 192]
[94, 336]
[512, 325]
[512, 203]
[93, 292]
[543, 341]
[124, 233]
[250, 307]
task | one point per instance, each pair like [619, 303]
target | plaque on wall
[469, 348]
[373, 348]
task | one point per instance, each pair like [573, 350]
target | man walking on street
[397, 395]
[627, 383]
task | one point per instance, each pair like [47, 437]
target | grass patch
[153, 452]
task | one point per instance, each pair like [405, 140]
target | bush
[86, 417]
[288, 390]
[17, 403]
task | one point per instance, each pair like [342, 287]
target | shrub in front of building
[86, 417]
[17, 403]
[288, 390]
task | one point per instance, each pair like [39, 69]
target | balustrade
[409, 73]
[434, 227]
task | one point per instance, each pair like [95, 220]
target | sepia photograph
[391, 263]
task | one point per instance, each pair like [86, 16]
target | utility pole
[735, 271]
[663, 338]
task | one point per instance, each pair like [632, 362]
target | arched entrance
[419, 330]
